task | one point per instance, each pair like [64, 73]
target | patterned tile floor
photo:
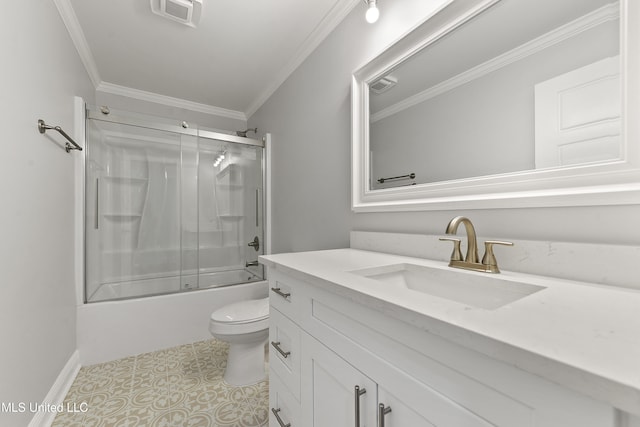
[176, 387]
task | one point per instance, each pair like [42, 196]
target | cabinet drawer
[288, 296]
[284, 350]
[283, 407]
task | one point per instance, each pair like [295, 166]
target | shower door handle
[97, 223]
[257, 198]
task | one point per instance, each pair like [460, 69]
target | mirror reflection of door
[577, 116]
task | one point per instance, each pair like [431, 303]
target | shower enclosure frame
[180, 128]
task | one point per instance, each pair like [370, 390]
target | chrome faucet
[489, 263]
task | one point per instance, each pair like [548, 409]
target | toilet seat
[240, 318]
[242, 312]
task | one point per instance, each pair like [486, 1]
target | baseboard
[58, 391]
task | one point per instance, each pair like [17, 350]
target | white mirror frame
[613, 183]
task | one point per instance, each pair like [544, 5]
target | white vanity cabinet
[329, 388]
[334, 343]
[329, 385]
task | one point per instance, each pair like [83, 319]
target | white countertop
[583, 336]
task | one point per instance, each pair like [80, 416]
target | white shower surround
[114, 329]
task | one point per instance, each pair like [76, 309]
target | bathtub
[115, 329]
[170, 284]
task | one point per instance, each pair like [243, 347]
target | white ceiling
[240, 52]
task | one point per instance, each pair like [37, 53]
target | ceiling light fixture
[373, 13]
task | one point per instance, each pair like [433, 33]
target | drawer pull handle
[278, 291]
[356, 394]
[276, 345]
[275, 413]
[382, 411]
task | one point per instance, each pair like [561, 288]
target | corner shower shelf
[232, 173]
[229, 216]
[126, 179]
[177, 250]
[122, 216]
[230, 186]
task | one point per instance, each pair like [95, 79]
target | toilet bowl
[245, 326]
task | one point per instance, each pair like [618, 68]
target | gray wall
[309, 117]
[41, 73]
[485, 126]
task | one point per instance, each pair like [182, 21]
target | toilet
[245, 326]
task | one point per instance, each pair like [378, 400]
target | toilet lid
[242, 312]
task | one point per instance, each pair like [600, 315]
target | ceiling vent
[187, 12]
[383, 84]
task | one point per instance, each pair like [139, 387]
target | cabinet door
[417, 406]
[397, 413]
[328, 389]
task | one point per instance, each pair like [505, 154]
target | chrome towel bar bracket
[71, 145]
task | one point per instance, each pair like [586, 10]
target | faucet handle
[456, 255]
[489, 259]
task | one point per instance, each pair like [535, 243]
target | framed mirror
[502, 103]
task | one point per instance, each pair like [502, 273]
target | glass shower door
[230, 212]
[133, 190]
[169, 208]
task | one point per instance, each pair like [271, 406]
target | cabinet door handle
[382, 411]
[357, 392]
[276, 345]
[282, 294]
[275, 413]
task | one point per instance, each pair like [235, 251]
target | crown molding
[599, 16]
[80, 42]
[142, 95]
[77, 37]
[331, 20]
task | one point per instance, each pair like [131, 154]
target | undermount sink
[479, 290]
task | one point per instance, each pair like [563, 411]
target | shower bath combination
[162, 215]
